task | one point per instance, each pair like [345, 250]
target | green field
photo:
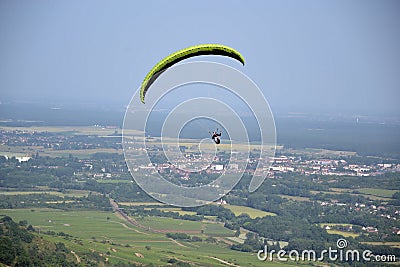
[210, 146]
[85, 224]
[216, 229]
[336, 224]
[114, 181]
[14, 151]
[342, 233]
[338, 232]
[253, 213]
[388, 193]
[131, 204]
[321, 153]
[295, 198]
[370, 193]
[390, 244]
[164, 223]
[71, 130]
[111, 238]
[178, 210]
[68, 193]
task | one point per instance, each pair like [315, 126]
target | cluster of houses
[191, 162]
[381, 210]
[329, 167]
[30, 138]
[50, 140]
[282, 164]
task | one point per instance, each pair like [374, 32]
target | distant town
[37, 142]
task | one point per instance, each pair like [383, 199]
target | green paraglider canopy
[192, 51]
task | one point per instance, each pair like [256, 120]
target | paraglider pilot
[215, 136]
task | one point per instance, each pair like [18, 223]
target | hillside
[20, 247]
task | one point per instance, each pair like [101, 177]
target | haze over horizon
[306, 56]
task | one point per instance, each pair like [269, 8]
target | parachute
[198, 50]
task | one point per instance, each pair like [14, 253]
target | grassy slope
[253, 213]
[109, 237]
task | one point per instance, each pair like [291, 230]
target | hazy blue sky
[305, 55]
